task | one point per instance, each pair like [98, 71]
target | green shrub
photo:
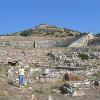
[97, 75]
[83, 56]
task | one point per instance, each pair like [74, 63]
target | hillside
[45, 29]
[60, 50]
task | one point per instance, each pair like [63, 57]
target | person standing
[46, 72]
[21, 76]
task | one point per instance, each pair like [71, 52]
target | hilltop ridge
[46, 29]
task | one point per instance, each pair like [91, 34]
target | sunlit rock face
[82, 41]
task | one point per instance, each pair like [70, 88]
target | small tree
[83, 56]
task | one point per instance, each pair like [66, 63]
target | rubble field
[82, 66]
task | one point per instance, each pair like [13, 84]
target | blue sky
[80, 15]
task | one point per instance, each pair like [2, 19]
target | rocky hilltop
[45, 29]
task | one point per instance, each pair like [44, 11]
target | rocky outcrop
[82, 41]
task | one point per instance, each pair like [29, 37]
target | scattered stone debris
[67, 89]
[79, 92]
